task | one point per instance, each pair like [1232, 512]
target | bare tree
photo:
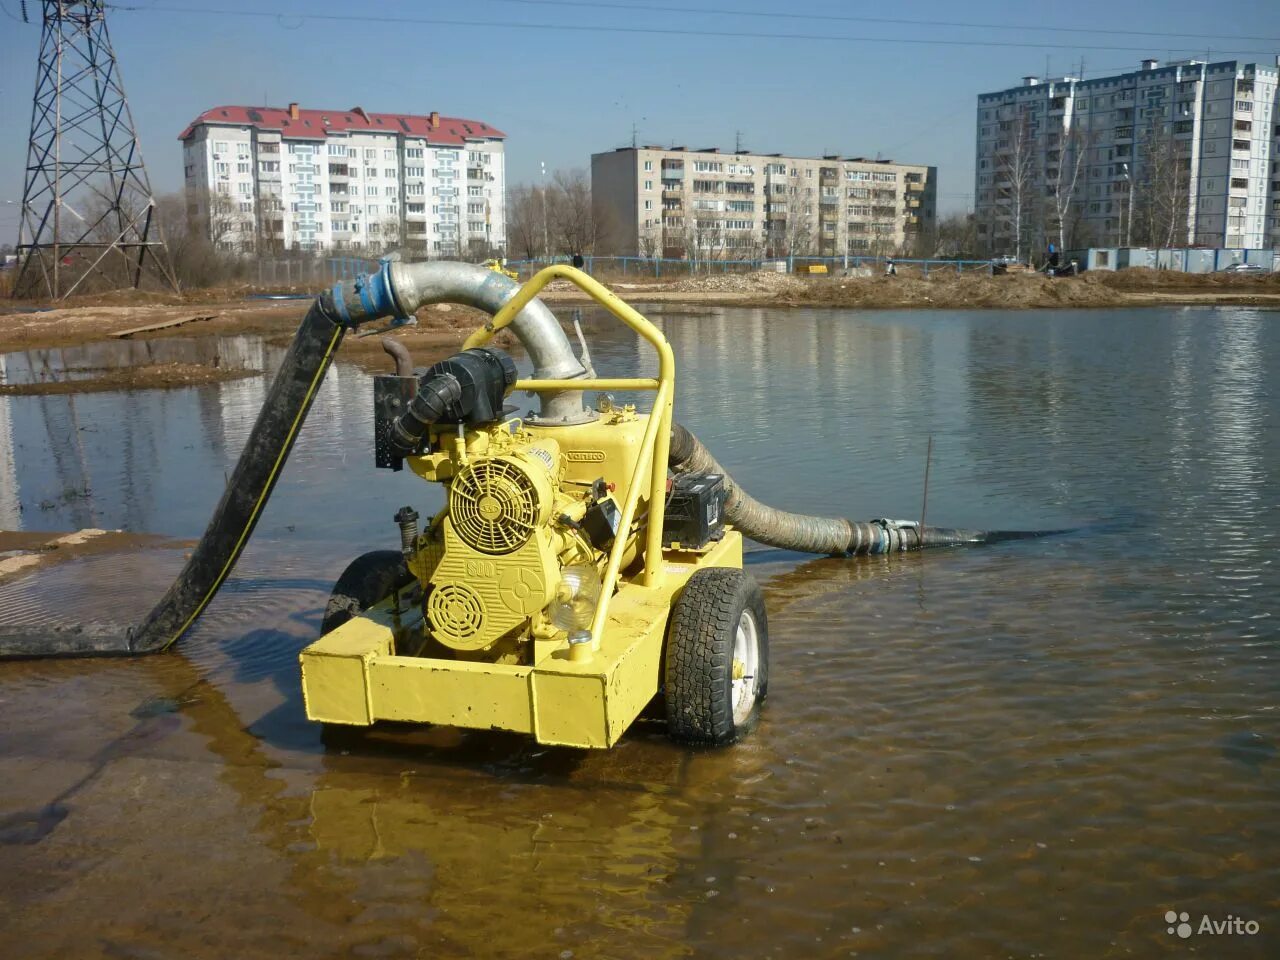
[1064, 165]
[954, 236]
[650, 242]
[524, 221]
[575, 227]
[1161, 192]
[1015, 175]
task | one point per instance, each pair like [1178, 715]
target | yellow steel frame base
[352, 676]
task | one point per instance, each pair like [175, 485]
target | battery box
[695, 511]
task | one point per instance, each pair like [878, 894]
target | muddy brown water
[1033, 749]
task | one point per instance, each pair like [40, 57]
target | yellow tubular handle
[536, 386]
[657, 435]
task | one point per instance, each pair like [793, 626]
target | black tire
[699, 689]
[368, 578]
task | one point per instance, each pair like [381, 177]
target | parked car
[1244, 268]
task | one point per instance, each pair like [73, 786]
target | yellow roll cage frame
[657, 435]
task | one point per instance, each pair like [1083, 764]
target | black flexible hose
[265, 452]
[833, 536]
[430, 404]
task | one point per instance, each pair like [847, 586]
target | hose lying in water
[264, 455]
[808, 534]
[397, 289]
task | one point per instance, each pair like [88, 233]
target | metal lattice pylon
[87, 206]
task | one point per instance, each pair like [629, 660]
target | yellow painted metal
[601, 383]
[476, 598]
[657, 439]
[353, 676]
[584, 697]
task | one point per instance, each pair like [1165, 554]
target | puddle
[133, 364]
[1035, 748]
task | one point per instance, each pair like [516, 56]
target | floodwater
[1032, 749]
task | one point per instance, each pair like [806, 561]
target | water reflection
[1035, 748]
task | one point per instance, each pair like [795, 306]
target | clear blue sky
[562, 94]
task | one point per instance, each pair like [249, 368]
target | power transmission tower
[87, 206]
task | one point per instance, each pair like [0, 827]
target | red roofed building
[283, 178]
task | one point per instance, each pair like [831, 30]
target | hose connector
[365, 298]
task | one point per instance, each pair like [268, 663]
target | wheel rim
[746, 663]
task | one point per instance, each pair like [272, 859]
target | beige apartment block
[705, 204]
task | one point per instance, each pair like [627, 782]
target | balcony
[779, 216]
[672, 194]
[915, 187]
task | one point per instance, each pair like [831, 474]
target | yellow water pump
[565, 584]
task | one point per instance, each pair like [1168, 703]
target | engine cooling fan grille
[494, 506]
[455, 611]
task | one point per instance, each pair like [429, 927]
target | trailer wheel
[368, 578]
[717, 658]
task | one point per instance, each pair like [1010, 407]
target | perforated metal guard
[455, 611]
[494, 506]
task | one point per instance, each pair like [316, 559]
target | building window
[648, 165]
[221, 146]
[648, 184]
[648, 204]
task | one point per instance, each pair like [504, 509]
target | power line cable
[841, 18]
[652, 31]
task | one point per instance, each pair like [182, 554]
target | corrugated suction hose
[834, 536]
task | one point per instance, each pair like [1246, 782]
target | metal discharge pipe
[416, 284]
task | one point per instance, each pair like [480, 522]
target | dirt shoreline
[22, 551]
[442, 328]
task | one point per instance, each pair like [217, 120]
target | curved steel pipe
[414, 285]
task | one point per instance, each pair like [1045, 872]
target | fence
[658, 267]
[311, 271]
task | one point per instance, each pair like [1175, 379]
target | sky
[568, 78]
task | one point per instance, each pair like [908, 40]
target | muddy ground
[442, 328]
[24, 550]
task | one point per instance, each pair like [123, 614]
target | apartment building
[273, 179]
[705, 204]
[1164, 156]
